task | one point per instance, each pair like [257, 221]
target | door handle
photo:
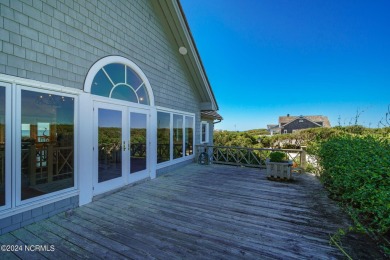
[124, 145]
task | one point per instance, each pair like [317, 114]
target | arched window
[118, 78]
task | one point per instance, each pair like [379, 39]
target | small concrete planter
[279, 170]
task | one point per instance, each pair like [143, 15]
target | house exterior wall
[58, 41]
[33, 215]
[211, 132]
[296, 125]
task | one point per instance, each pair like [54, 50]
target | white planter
[280, 170]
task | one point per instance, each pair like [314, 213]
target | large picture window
[189, 135]
[47, 143]
[175, 136]
[139, 138]
[163, 136]
[2, 147]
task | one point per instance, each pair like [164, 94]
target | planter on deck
[280, 170]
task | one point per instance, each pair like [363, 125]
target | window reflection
[177, 136]
[2, 146]
[110, 145]
[189, 131]
[47, 143]
[143, 95]
[124, 92]
[163, 137]
[118, 81]
[138, 137]
[115, 72]
[132, 78]
[204, 131]
[101, 85]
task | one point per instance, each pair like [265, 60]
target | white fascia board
[38, 84]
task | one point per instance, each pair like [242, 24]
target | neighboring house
[273, 129]
[290, 124]
[94, 95]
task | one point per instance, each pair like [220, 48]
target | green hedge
[356, 170]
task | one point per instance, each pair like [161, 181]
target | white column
[85, 148]
[152, 155]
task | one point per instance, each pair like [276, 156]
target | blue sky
[268, 58]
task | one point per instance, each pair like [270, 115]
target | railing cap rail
[249, 148]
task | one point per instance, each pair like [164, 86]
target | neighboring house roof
[273, 129]
[315, 119]
[174, 14]
[272, 126]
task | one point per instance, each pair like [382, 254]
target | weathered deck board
[202, 212]
[73, 250]
[9, 239]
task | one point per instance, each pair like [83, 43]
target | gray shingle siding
[57, 42]
[60, 40]
[30, 216]
[296, 125]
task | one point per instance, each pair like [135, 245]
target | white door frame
[108, 185]
[127, 177]
[7, 177]
[133, 177]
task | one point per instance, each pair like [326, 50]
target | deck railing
[44, 163]
[249, 157]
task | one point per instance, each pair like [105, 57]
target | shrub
[266, 141]
[277, 157]
[356, 170]
[311, 168]
[291, 146]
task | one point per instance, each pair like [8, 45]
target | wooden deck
[196, 212]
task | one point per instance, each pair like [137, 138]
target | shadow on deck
[195, 212]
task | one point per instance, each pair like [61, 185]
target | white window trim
[175, 111]
[17, 128]
[117, 59]
[119, 102]
[38, 85]
[7, 151]
[285, 131]
[14, 85]
[183, 137]
[183, 158]
[207, 132]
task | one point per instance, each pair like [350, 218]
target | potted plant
[278, 166]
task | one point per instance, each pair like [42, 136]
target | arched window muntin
[132, 87]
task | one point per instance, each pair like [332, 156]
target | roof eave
[184, 38]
